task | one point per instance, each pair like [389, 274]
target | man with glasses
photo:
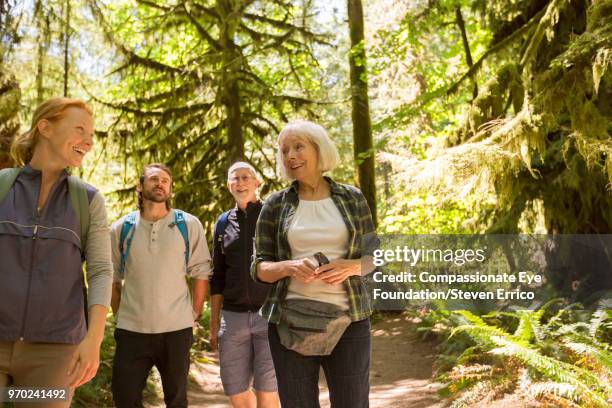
[235, 324]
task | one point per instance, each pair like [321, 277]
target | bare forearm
[116, 297]
[271, 271]
[199, 288]
[215, 308]
[97, 320]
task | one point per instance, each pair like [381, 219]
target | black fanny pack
[311, 328]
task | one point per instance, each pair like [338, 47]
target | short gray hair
[328, 157]
[242, 165]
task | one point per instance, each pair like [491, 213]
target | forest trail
[400, 375]
[402, 367]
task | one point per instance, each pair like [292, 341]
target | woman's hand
[338, 270]
[85, 362]
[301, 269]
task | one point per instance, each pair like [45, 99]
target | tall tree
[205, 83]
[232, 64]
[66, 36]
[43, 28]
[362, 127]
[10, 96]
[466, 44]
[10, 92]
[9, 22]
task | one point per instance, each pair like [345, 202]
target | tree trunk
[229, 87]
[466, 46]
[44, 42]
[66, 45]
[4, 9]
[362, 129]
[40, 61]
[10, 97]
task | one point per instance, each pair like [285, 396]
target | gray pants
[244, 353]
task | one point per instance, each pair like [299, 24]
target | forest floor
[400, 376]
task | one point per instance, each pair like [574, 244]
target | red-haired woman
[45, 340]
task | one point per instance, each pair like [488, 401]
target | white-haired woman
[318, 313]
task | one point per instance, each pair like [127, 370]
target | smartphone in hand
[321, 259]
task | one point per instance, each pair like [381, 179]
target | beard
[156, 197]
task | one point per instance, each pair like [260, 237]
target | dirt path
[401, 370]
[400, 375]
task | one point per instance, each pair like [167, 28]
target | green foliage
[407, 212]
[529, 328]
[201, 84]
[201, 333]
[413, 60]
[10, 96]
[548, 354]
[539, 129]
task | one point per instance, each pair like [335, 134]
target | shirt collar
[251, 206]
[334, 187]
[32, 172]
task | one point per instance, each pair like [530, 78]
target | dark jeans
[346, 370]
[137, 353]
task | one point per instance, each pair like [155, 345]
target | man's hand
[216, 301]
[85, 362]
[214, 335]
[116, 298]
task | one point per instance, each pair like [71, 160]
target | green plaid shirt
[271, 243]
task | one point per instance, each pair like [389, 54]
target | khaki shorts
[45, 365]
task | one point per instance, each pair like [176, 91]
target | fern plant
[557, 354]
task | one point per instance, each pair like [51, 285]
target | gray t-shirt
[155, 297]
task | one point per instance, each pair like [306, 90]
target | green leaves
[552, 355]
[203, 83]
[539, 129]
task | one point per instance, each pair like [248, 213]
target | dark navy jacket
[41, 279]
[232, 260]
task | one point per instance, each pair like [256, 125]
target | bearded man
[154, 249]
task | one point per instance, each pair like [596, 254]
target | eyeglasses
[244, 179]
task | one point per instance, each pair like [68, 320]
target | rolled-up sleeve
[199, 266]
[264, 249]
[99, 271]
[369, 239]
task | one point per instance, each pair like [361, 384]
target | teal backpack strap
[125, 239]
[7, 178]
[179, 221]
[80, 203]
